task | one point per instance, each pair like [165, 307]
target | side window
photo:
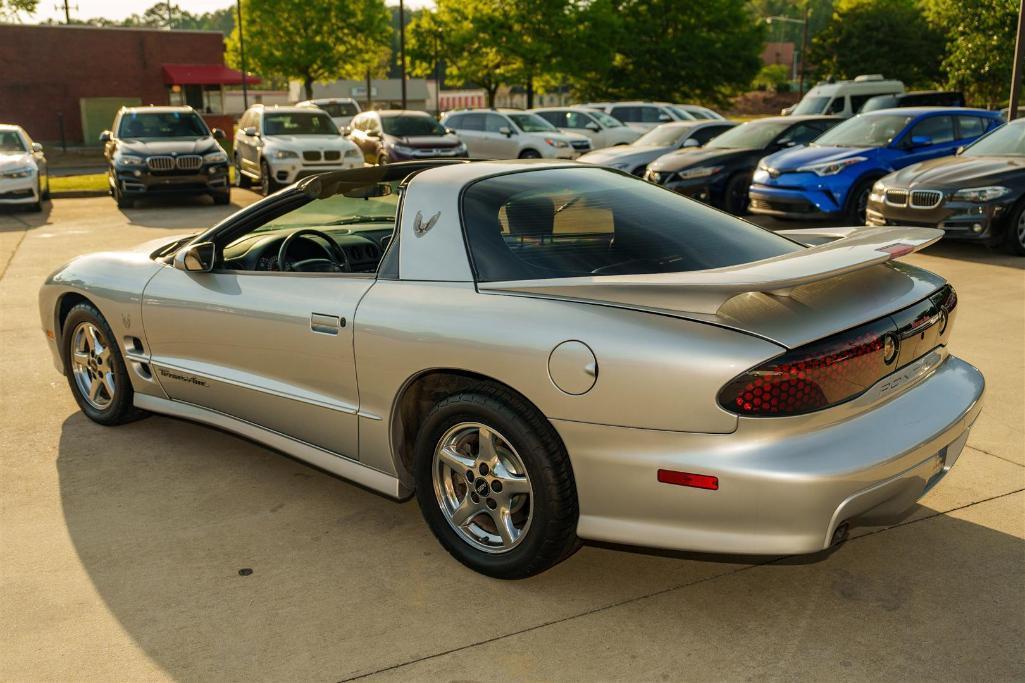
[627, 114]
[653, 114]
[703, 135]
[970, 126]
[556, 118]
[938, 129]
[858, 101]
[455, 122]
[836, 106]
[801, 134]
[473, 122]
[493, 123]
[575, 119]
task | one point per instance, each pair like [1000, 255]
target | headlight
[980, 194]
[402, 149]
[284, 154]
[217, 157]
[556, 143]
[20, 172]
[877, 192]
[699, 172]
[353, 153]
[831, 167]
[128, 160]
[461, 149]
[762, 166]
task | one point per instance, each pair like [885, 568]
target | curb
[78, 194]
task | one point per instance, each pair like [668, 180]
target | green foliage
[312, 40]
[774, 77]
[980, 46]
[9, 9]
[890, 37]
[166, 15]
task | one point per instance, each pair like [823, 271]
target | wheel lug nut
[474, 497]
[484, 469]
[496, 486]
[492, 504]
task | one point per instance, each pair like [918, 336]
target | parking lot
[168, 550]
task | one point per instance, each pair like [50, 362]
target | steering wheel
[336, 262]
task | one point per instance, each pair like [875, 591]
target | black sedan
[977, 195]
[720, 173]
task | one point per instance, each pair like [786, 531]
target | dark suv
[164, 150]
[396, 135]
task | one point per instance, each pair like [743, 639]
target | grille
[311, 156]
[581, 144]
[926, 199]
[190, 162]
[160, 163]
[332, 155]
[897, 197]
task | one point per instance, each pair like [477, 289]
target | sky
[119, 9]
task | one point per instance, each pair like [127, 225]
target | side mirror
[786, 142]
[506, 131]
[959, 150]
[251, 132]
[592, 126]
[690, 142]
[196, 258]
[37, 147]
[450, 131]
[217, 133]
[345, 130]
[920, 140]
[105, 136]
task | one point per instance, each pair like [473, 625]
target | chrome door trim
[324, 459]
[331, 405]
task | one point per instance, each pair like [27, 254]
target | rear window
[560, 223]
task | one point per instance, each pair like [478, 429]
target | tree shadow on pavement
[217, 555]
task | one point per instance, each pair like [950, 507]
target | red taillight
[698, 481]
[841, 367]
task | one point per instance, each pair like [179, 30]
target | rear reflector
[698, 481]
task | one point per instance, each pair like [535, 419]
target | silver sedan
[542, 353]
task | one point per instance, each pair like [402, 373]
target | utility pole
[1017, 66]
[242, 56]
[402, 49]
[437, 75]
[66, 6]
[804, 47]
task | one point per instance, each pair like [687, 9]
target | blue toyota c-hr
[832, 177]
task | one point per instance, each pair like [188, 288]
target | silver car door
[271, 348]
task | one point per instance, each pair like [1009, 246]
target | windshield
[10, 141]
[665, 135]
[409, 126]
[532, 123]
[298, 123]
[879, 102]
[339, 109]
[750, 135]
[811, 105]
[1006, 141]
[357, 213]
[865, 130]
[581, 222]
[605, 120]
[174, 124]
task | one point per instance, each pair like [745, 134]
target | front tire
[494, 483]
[95, 369]
[530, 154]
[1014, 235]
[267, 183]
[857, 202]
[221, 198]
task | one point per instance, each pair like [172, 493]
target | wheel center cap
[481, 487]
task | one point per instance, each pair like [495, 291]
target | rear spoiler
[705, 291]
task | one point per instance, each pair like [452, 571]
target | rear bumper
[785, 484]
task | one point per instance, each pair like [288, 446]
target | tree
[9, 9]
[533, 35]
[311, 40]
[980, 46]
[774, 77]
[891, 37]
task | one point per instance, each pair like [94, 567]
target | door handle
[326, 324]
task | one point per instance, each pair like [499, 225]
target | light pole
[402, 49]
[1017, 66]
[804, 39]
[242, 56]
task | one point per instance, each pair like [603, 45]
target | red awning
[204, 74]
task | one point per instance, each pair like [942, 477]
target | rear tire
[95, 369]
[1014, 232]
[507, 531]
[857, 202]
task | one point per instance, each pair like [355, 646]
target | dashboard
[259, 251]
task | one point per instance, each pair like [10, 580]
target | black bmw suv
[164, 150]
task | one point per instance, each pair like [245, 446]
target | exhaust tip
[840, 533]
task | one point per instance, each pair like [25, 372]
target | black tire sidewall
[476, 407]
[851, 209]
[122, 408]
[731, 185]
[266, 182]
[1011, 243]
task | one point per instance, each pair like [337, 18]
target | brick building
[78, 76]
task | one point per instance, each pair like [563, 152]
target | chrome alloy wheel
[482, 487]
[92, 365]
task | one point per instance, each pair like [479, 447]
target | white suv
[513, 134]
[602, 129]
[641, 115]
[340, 109]
[277, 146]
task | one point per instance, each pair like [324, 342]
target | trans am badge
[419, 227]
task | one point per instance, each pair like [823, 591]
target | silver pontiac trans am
[542, 353]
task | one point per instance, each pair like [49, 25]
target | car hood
[624, 154]
[307, 142]
[427, 141]
[958, 172]
[794, 158]
[688, 158]
[12, 160]
[145, 146]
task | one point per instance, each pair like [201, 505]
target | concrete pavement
[121, 549]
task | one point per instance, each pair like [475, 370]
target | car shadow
[152, 212]
[216, 554]
[14, 218]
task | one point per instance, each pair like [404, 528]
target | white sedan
[23, 173]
